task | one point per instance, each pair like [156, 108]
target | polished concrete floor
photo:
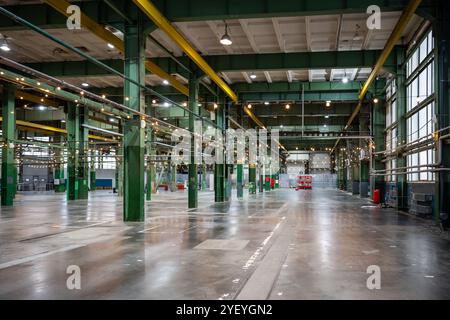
[284, 244]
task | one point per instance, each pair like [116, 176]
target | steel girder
[195, 10]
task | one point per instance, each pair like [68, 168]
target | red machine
[304, 182]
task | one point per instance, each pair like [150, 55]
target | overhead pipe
[96, 62]
[113, 133]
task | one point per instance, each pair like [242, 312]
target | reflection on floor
[279, 245]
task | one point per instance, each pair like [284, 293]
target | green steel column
[119, 164]
[363, 174]
[73, 136]
[344, 168]
[378, 126]
[261, 178]
[148, 189]
[203, 184]
[193, 173]
[442, 80]
[267, 179]
[401, 125]
[133, 143]
[355, 179]
[239, 180]
[252, 178]
[150, 138]
[83, 151]
[227, 181]
[93, 176]
[8, 132]
[218, 182]
[228, 167]
[341, 169]
[59, 168]
[363, 178]
[219, 168]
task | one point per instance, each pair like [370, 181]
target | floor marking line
[151, 228]
[39, 255]
[182, 231]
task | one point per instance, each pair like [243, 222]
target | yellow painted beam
[152, 67]
[102, 33]
[153, 13]
[54, 129]
[402, 23]
[253, 117]
[23, 95]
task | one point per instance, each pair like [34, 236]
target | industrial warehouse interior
[225, 150]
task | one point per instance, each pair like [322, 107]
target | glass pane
[414, 128]
[414, 162]
[414, 93]
[414, 59]
[430, 41]
[423, 85]
[422, 161]
[423, 49]
[422, 122]
[394, 111]
[429, 120]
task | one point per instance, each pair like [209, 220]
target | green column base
[239, 181]
[193, 187]
[83, 189]
[93, 184]
[219, 183]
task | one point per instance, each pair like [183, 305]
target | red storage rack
[304, 182]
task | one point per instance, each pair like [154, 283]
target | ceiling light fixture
[165, 82]
[287, 106]
[328, 103]
[5, 47]
[375, 100]
[85, 84]
[226, 40]
[253, 76]
[111, 46]
[249, 106]
[266, 103]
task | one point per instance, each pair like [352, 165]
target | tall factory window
[420, 109]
